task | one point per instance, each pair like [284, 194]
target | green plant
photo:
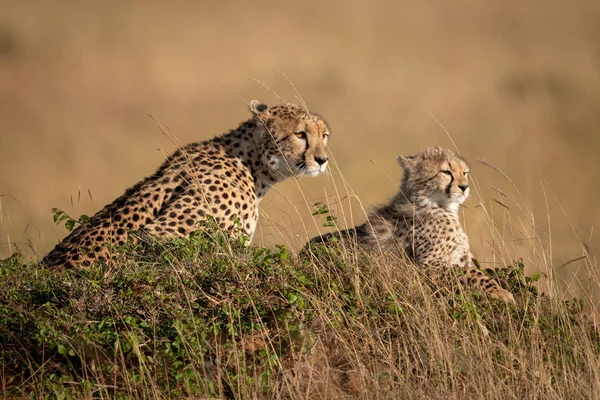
[70, 222]
[207, 316]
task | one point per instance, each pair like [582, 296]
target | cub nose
[321, 160]
[463, 187]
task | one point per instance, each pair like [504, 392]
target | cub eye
[301, 135]
[447, 172]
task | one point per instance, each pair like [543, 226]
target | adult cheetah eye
[447, 172]
[301, 135]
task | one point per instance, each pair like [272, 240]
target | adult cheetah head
[293, 141]
[435, 176]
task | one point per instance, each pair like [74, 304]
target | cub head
[435, 176]
[292, 141]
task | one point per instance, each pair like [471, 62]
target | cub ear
[258, 108]
[405, 162]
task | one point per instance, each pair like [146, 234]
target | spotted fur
[225, 177]
[422, 219]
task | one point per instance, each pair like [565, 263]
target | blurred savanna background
[86, 86]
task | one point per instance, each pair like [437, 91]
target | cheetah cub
[423, 219]
[225, 178]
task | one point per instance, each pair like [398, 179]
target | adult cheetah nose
[321, 160]
[463, 187]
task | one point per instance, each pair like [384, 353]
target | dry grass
[206, 317]
[209, 318]
[515, 84]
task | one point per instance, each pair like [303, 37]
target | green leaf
[62, 349]
[535, 276]
[330, 221]
[70, 224]
[292, 297]
[321, 209]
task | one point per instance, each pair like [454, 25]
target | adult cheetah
[422, 219]
[225, 177]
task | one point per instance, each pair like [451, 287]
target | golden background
[514, 83]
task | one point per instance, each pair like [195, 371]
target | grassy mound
[205, 317]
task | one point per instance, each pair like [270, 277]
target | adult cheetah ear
[406, 162]
[259, 108]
